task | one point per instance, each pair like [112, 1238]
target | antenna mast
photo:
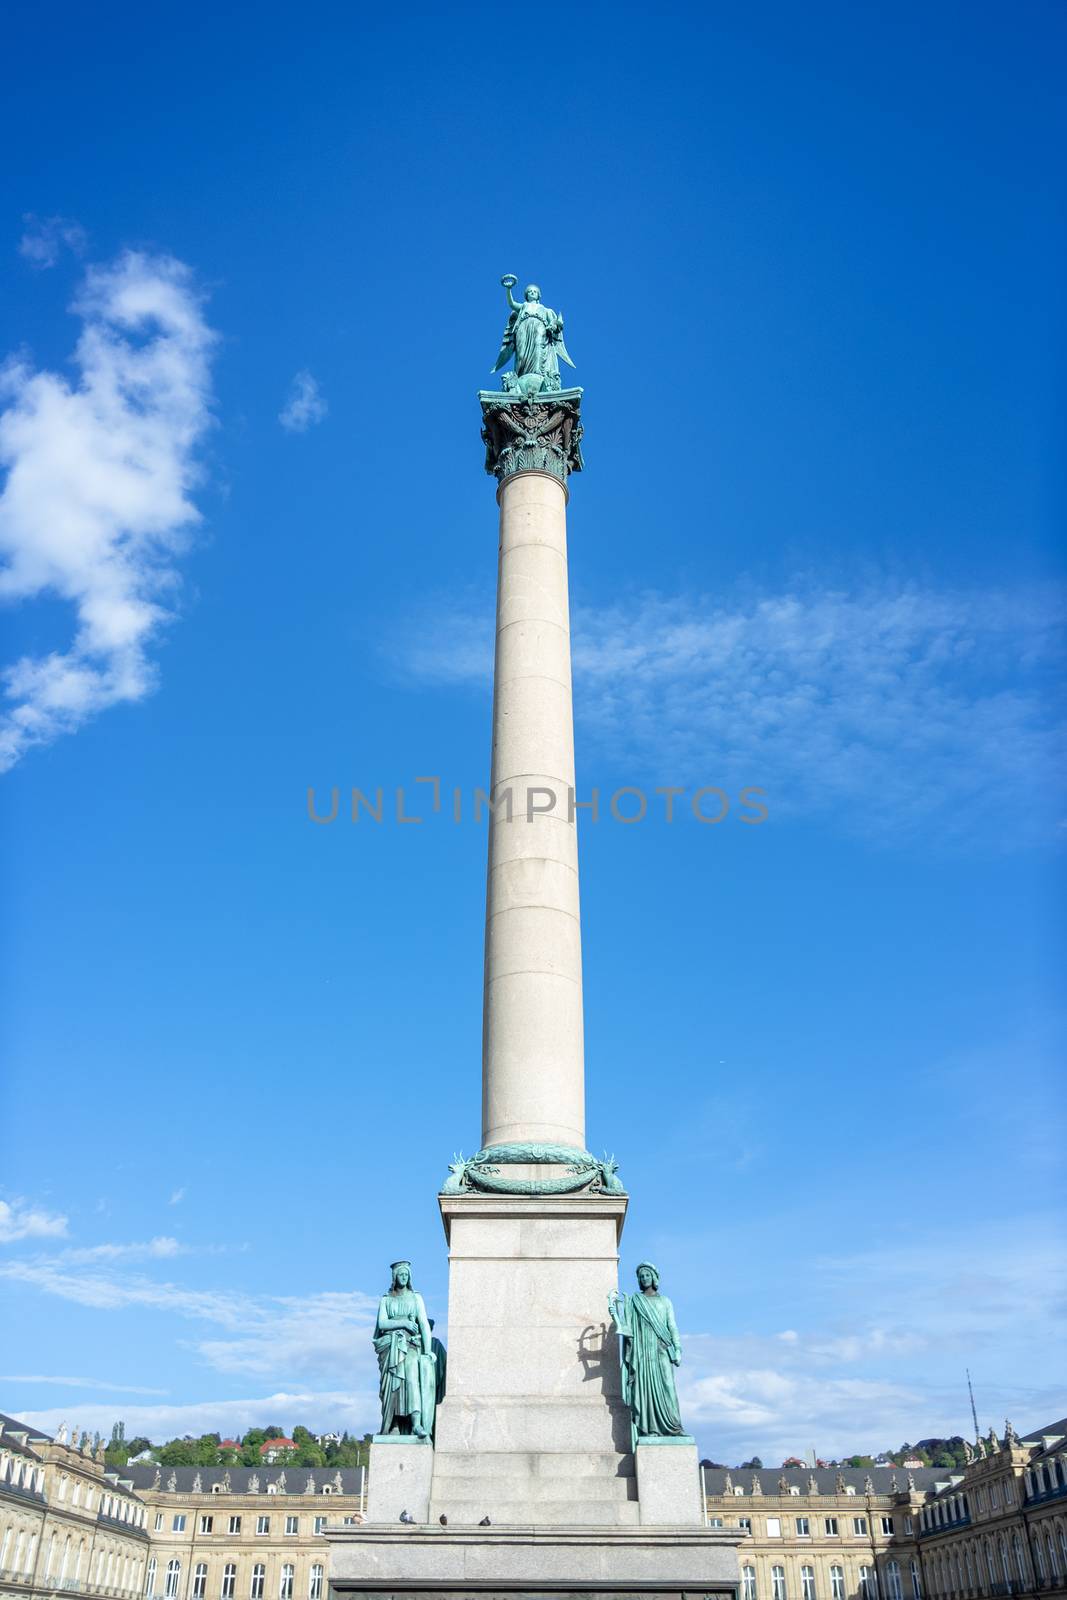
[970, 1391]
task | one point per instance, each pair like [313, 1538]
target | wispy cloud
[324, 1334]
[891, 708]
[305, 405]
[96, 507]
[20, 1220]
[177, 1197]
[159, 1249]
[45, 238]
[79, 1383]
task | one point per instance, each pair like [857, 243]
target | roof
[275, 1444]
[11, 1425]
[296, 1479]
[886, 1480]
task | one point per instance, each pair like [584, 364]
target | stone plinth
[398, 1478]
[668, 1482]
[533, 1427]
[512, 1560]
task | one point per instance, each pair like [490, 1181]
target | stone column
[533, 1088]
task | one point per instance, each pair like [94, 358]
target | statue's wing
[561, 351]
[507, 344]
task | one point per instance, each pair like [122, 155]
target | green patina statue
[534, 336]
[406, 1363]
[650, 1349]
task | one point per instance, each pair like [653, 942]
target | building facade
[239, 1533]
[823, 1534]
[67, 1524]
[997, 1527]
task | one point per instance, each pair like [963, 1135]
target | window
[803, 1528]
[174, 1573]
[908, 1526]
[745, 1524]
[262, 1524]
[748, 1583]
[859, 1526]
[326, 1489]
[715, 1522]
[320, 1523]
[315, 1583]
[255, 1588]
[887, 1524]
[892, 1581]
[4, 1548]
[216, 1488]
[793, 1489]
[1020, 1559]
[235, 1524]
[200, 1580]
[807, 1583]
[292, 1524]
[229, 1581]
[272, 1488]
[830, 1527]
[994, 1494]
[1051, 1548]
[916, 1582]
[868, 1583]
[207, 1524]
[178, 1524]
[150, 1580]
[837, 1583]
[738, 1489]
[774, 1527]
[850, 1489]
[778, 1583]
[159, 1521]
[285, 1583]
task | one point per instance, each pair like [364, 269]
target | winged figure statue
[534, 336]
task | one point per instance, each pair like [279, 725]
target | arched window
[807, 1583]
[174, 1578]
[80, 1561]
[150, 1578]
[255, 1588]
[892, 1580]
[229, 1581]
[1020, 1559]
[868, 1583]
[50, 1563]
[1054, 1566]
[778, 1583]
[315, 1583]
[991, 1566]
[837, 1583]
[200, 1580]
[5, 1546]
[916, 1582]
[969, 1556]
[1039, 1559]
[285, 1582]
[748, 1584]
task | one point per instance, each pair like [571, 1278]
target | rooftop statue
[533, 334]
[650, 1350]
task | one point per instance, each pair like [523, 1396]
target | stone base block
[399, 1474]
[668, 1483]
[522, 1560]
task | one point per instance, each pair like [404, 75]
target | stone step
[535, 1491]
[556, 1465]
[572, 1513]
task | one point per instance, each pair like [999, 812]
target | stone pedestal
[668, 1483]
[533, 1427]
[454, 1563]
[398, 1478]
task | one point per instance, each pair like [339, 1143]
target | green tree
[180, 1453]
[755, 1464]
[859, 1461]
[274, 1432]
[309, 1455]
[138, 1445]
[302, 1435]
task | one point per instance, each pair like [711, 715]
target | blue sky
[812, 265]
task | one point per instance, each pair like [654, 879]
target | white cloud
[305, 405]
[18, 1220]
[357, 1410]
[892, 709]
[96, 503]
[46, 237]
[79, 1383]
[177, 1197]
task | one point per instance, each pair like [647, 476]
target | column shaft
[533, 1087]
